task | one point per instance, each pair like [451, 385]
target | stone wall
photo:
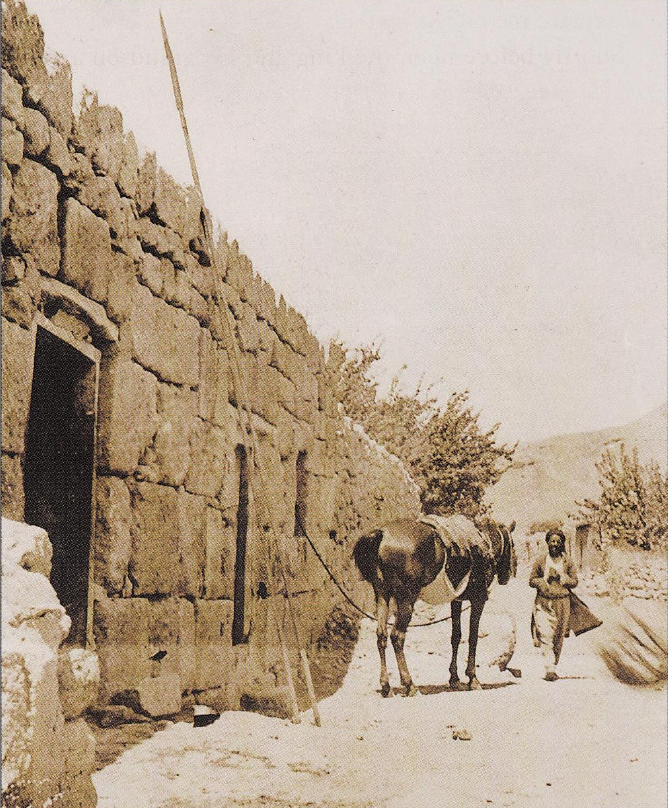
[47, 748]
[105, 246]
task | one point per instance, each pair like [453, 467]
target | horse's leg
[403, 618]
[456, 638]
[382, 611]
[477, 605]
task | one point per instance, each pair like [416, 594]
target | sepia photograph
[334, 404]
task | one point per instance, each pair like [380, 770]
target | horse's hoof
[411, 690]
[516, 672]
[474, 684]
[385, 690]
[455, 681]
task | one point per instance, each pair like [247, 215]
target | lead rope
[352, 602]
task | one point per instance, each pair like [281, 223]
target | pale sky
[479, 183]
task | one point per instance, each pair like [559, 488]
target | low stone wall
[47, 748]
[101, 246]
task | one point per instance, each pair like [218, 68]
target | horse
[406, 556]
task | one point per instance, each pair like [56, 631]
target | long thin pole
[236, 365]
[179, 105]
[294, 706]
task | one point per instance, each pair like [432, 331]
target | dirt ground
[585, 740]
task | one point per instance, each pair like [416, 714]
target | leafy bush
[631, 507]
[545, 526]
[450, 456]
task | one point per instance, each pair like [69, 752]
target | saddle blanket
[458, 535]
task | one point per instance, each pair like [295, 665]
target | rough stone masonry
[105, 262]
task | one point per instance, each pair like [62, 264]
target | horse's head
[506, 565]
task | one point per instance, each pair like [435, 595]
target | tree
[461, 461]
[631, 507]
[450, 456]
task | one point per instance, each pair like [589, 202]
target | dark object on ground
[113, 715]
[204, 716]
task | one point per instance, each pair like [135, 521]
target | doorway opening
[239, 633]
[300, 497]
[60, 466]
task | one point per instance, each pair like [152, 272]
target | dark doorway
[239, 633]
[300, 497]
[59, 467]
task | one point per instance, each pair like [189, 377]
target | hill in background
[548, 476]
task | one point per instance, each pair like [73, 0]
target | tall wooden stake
[238, 381]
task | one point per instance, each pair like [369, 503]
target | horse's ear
[512, 526]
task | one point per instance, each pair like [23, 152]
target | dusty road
[585, 741]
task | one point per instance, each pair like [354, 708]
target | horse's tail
[365, 554]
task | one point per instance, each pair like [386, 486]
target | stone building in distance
[122, 432]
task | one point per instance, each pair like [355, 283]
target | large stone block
[76, 787]
[158, 696]
[221, 538]
[211, 459]
[58, 155]
[17, 361]
[213, 643]
[33, 224]
[150, 273]
[21, 296]
[247, 330]
[145, 191]
[23, 49]
[100, 132]
[119, 293]
[121, 637]
[161, 240]
[176, 285]
[165, 339]
[78, 680]
[12, 143]
[7, 191]
[57, 98]
[169, 201]
[127, 417]
[113, 540]
[13, 499]
[176, 426]
[99, 193]
[129, 170]
[12, 98]
[86, 251]
[192, 532]
[154, 564]
[36, 133]
[186, 644]
[213, 392]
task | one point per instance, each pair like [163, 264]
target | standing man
[553, 576]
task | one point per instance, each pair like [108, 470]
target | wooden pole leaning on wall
[238, 382]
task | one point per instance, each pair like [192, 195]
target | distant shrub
[545, 525]
[446, 449]
[631, 507]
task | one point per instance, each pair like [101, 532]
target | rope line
[359, 608]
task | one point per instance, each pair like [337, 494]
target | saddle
[459, 536]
